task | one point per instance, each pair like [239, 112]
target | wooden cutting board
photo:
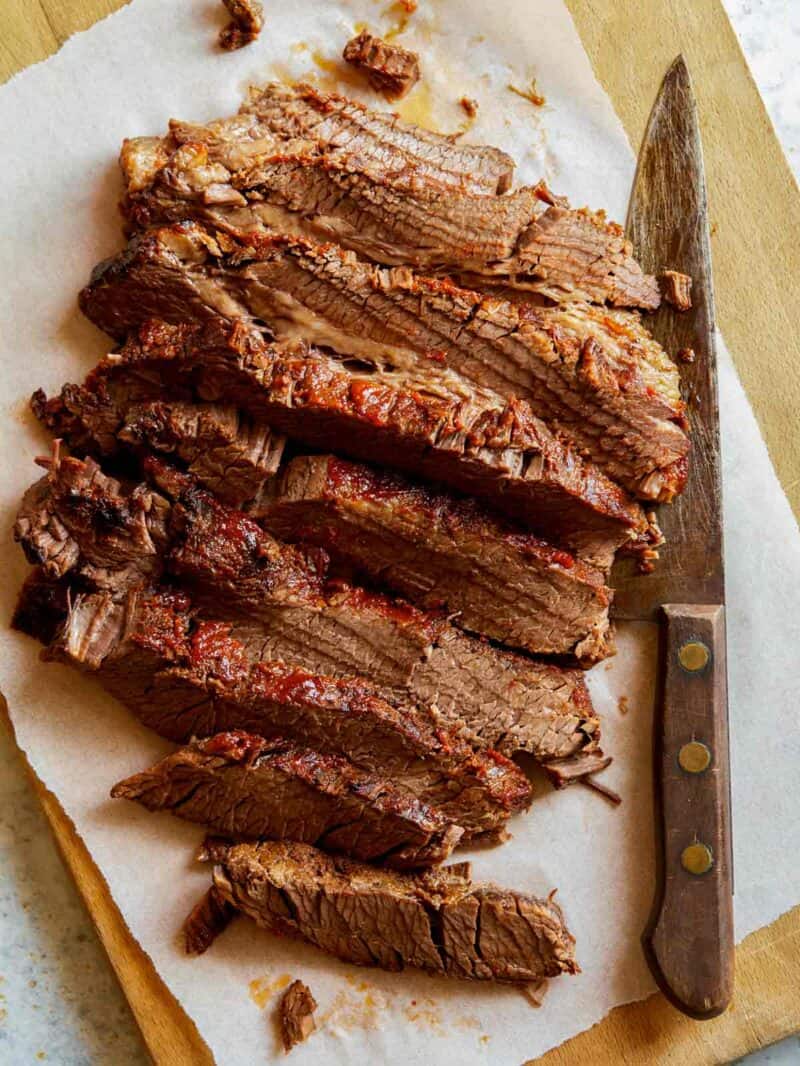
[754, 205]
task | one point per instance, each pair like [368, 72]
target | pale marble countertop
[59, 999]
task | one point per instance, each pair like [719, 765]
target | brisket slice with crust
[286, 610]
[437, 921]
[594, 374]
[529, 241]
[246, 786]
[499, 453]
[225, 450]
[442, 552]
[390, 69]
[183, 677]
[300, 119]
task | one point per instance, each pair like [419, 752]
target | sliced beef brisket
[528, 241]
[594, 374]
[442, 552]
[500, 453]
[438, 921]
[287, 611]
[184, 677]
[390, 69]
[246, 786]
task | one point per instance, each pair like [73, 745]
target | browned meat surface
[206, 920]
[497, 451]
[405, 153]
[438, 921]
[390, 69]
[245, 25]
[296, 1014]
[442, 552]
[185, 677]
[243, 179]
[226, 451]
[287, 611]
[676, 289]
[593, 374]
[246, 786]
[42, 605]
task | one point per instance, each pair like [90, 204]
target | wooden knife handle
[689, 940]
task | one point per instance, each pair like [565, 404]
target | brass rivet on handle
[697, 859]
[694, 757]
[693, 656]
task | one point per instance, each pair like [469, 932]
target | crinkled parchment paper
[62, 124]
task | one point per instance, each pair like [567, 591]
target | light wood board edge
[169, 1035]
[756, 208]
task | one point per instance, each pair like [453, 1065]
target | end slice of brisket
[436, 922]
[246, 786]
[443, 552]
[390, 69]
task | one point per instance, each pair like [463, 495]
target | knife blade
[689, 938]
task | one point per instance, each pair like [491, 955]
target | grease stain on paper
[262, 989]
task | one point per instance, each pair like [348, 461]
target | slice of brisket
[286, 610]
[184, 677]
[529, 241]
[437, 921]
[443, 552]
[500, 453]
[224, 449]
[246, 786]
[390, 69]
[594, 374]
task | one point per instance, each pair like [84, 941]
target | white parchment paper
[62, 123]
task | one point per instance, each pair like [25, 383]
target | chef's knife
[689, 939]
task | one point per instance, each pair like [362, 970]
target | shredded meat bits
[296, 1014]
[245, 25]
[676, 289]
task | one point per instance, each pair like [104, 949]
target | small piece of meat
[676, 288]
[42, 606]
[390, 69]
[296, 1014]
[436, 921]
[246, 786]
[246, 23]
[563, 773]
[686, 355]
[469, 106]
[207, 919]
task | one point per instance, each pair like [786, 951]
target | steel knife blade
[668, 226]
[688, 941]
